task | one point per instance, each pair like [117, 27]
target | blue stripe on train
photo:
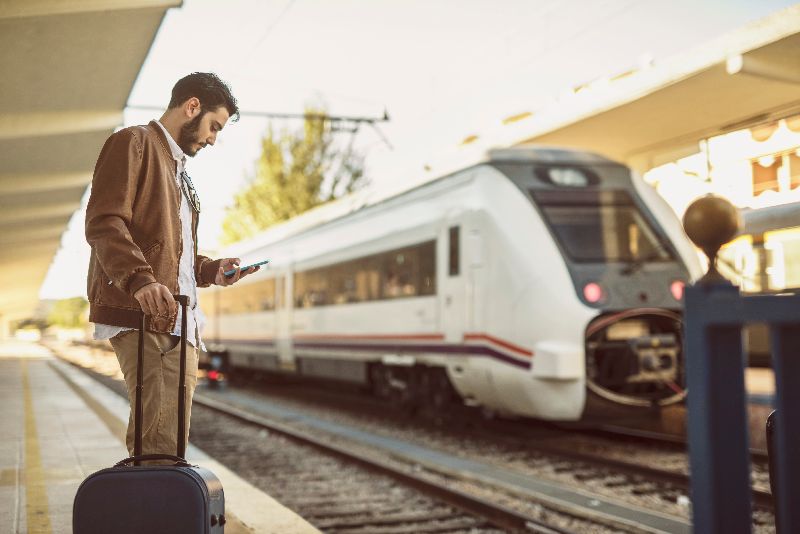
[400, 348]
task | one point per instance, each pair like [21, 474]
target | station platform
[58, 426]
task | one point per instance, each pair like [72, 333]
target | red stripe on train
[472, 336]
[356, 337]
[505, 344]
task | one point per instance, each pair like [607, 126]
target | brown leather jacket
[134, 228]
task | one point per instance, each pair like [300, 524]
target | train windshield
[600, 226]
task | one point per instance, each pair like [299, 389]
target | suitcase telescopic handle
[183, 300]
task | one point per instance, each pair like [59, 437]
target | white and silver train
[541, 282]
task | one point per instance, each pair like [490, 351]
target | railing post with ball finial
[717, 418]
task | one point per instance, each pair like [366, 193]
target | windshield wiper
[637, 264]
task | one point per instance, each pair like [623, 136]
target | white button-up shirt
[187, 283]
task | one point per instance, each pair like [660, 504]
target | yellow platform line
[112, 422]
[36, 508]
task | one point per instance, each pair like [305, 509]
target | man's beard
[188, 136]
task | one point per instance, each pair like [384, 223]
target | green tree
[68, 313]
[297, 171]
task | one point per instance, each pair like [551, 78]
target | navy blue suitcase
[155, 499]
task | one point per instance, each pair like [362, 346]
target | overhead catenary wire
[282, 115]
[337, 120]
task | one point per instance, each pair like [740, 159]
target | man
[141, 222]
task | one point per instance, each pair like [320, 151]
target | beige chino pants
[159, 387]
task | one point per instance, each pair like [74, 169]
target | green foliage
[30, 324]
[69, 313]
[297, 170]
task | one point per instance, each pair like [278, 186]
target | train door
[452, 301]
[475, 292]
[284, 288]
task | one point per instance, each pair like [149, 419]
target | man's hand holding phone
[229, 271]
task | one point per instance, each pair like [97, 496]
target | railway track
[550, 440]
[756, 454]
[509, 485]
[493, 513]
[675, 473]
[341, 504]
[639, 479]
[680, 480]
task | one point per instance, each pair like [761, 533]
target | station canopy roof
[68, 70]
[656, 114]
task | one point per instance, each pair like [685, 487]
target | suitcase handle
[179, 462]
[183, 300]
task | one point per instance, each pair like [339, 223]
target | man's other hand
[232, 263]
[155, 299]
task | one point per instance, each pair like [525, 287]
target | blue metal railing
[715, 315]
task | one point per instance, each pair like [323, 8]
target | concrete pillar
[5, 327]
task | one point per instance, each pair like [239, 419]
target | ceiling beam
[747, 64]
[27, 283]
[38, 8]
[19, 226]
[36, 212]
[21, 262]
[40, 124]
[39, 183]
[22, 236]
[34, 248]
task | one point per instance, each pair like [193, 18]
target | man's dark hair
[209, 89]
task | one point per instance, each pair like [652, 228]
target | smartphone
[233, 271]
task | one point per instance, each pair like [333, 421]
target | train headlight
[593, 292]
[567, 176]
[676, 288]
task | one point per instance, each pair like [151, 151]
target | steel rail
[761, 498]
[494, 513]
[663, 437]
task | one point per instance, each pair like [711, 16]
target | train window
[251, 297]
[605, 227]
[764, 258]
[742, 260]
[404, 272]
[310, 289]
[783, 248]
[455, 252]
[279, 289]
[765, 175]
[794, 170]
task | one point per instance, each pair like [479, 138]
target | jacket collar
[175, 150]
[162, 139]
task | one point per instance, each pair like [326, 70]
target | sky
[443, 70]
